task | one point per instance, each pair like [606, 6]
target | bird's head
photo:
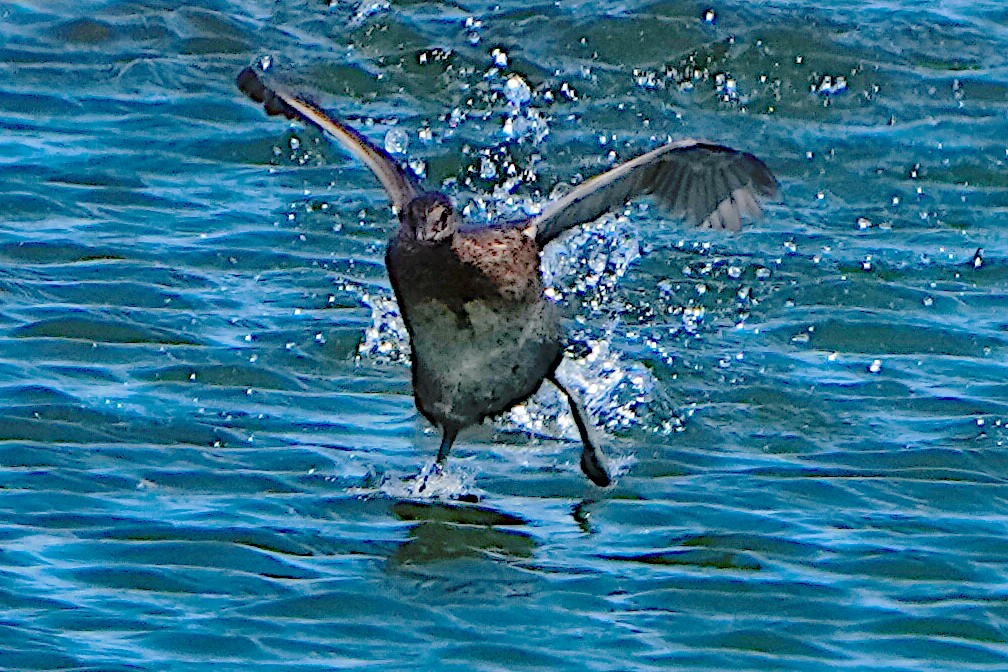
[431, 217]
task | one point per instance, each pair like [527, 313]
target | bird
[483, 335]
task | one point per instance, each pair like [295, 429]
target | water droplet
[515, 127]
[369, 9]
[419, 167]
[488, 170]
[396, 141]
[646, 79]
[692, 317]
[517, 91]
[830, 86]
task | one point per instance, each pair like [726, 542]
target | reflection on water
[452, 531]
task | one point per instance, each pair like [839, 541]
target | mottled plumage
[483, 336]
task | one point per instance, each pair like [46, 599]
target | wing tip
[763, 178]
[251, 82]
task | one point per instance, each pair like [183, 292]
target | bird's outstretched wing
[278, 99]
[707, 185]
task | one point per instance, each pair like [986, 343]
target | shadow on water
[446, 531]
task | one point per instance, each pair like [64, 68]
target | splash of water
[434, 482]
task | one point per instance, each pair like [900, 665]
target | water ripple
[209, 452]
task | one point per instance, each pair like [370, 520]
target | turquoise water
[208, 443]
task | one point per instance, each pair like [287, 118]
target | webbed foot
[591, 457]
[592, 467]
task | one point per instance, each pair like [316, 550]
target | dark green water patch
[697, 558]
[100, 330]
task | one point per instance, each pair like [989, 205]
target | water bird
[483, 336]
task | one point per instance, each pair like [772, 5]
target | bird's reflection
[582, 512]
[447, 531]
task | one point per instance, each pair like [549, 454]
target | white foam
[432, 483]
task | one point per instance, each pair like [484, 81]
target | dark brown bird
[483, 336]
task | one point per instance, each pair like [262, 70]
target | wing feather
[702, 206]
[674, 195]
[748, 205]
[720, 187]
[667, 185]
[705, 184]
[730, 214]
[278, 99]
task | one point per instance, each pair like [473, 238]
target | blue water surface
[208, 443]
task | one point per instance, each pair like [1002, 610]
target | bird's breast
[466, 369]
[481, 330]
[482, 334]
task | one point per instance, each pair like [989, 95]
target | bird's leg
[591, 457]
[448, 434]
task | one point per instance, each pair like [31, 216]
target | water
[208, 445]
